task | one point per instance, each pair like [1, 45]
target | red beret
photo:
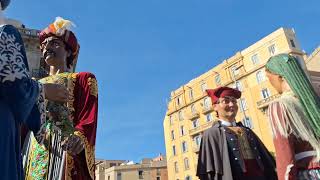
[221, 92]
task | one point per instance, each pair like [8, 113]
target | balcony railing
[193, 115]
[265, 102]
[28, 32]
[200, 128]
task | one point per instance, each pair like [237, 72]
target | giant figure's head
[58, 43]
[284, 67]
[224, 101]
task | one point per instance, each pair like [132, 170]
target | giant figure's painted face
[226, 107]
[54, 51]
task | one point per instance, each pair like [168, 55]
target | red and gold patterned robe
[82, 112]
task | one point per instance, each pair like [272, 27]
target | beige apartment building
[190, 110]
[148, 169]
[102, 165]
[313, 66]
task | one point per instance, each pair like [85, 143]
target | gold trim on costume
[92, 82]
[71, 81]
[69, 166]
[89, 151]
[71, 77]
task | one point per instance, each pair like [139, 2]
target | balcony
[29, 32]
[206, 110]
[195, 148]
[200, 128]
[193, 115]
[265, 102]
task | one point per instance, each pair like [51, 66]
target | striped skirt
[311, 174]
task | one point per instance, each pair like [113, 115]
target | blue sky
[141, 50]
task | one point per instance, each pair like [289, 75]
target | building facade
[190, 111]
[148, 169]
[313, 66]
[102, 165]
[313, 60]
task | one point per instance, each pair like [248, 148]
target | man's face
[226, 108]
[54, 51]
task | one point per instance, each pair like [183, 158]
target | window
[218, 79]
[197, 140]
[119, 176]
[184, 146]
[188, 178]
[191, 94]
[260, 76]
[182, 133]
[209, 117]
[180, 115]
[172, 135]
[193, 109]
[108, 177]
[140, 174]
[158, 178]
[292, 43]
[176, 168]
[247, 122]
[203, 87]
[174, 150]
[113, 164]
[179, 101]
[186, 163]
[243, 104]
[206, 103]
[265, 93]
[195, 123]
[234, 71]
[170, 120]
[238, 86]
[255, 59]
[272, 49]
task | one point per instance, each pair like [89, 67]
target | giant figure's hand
[73, 144]
[55, 92]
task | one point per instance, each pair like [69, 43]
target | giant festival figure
[295, 120]
[228, 150]
[77, 119]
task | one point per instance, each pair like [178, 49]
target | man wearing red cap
[230, 151]
[77, 118]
